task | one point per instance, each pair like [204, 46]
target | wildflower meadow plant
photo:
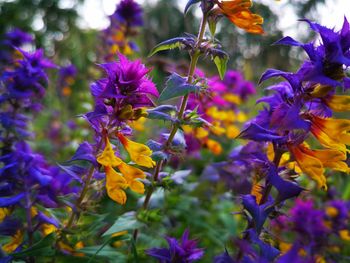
[158, 163]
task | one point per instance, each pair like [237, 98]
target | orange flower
[238, 12]
[313, 162]
[331, 133]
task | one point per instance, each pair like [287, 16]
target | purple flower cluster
[185, 251]
[66, 78]
[12, 39]
[121, 96]
[300, 107]
[27, 182]
[124, 23]
[316, 231]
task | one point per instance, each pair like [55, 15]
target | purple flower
[129, 12]
[66, 77]
[29, 78]
[185, 251]
[17, 38]
[308, 223]
[126, 82]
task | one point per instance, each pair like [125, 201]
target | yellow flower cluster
[128, 176]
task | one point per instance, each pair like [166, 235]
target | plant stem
[81, 198]
[194, 59]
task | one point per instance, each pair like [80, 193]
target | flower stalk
[194, 59]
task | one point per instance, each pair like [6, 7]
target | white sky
[94, 13]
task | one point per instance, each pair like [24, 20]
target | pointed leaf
[220, 59]
[125, 222]
[177, 42]
[177, 86]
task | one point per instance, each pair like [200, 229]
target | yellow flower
[201, 133]
[4, 212]
[108, 158]
[118, 243]
[332, 211]
[16, 240]
[139, 153]
[338, 103]
[47, 229]
[310, 165]
[131, 174]
[313, 162]
[232, 98]
[214, 146]
[331, 133]
[344, 234]
[115, 183]
[232, 132]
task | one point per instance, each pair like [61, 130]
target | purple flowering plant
[155, 163]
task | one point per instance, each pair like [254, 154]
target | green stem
[75, 214]
[194, 59]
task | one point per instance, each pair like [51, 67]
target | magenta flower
[127, 81]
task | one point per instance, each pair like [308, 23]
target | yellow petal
[201, 133]
[4, 212]
[15, 241]
[214, 146]
[115, 183]
[114, 179]
[108, 158]
[232, 132]
[47, 229]
[137, 187]
[338, 103]
[139, 153]
[117, 195]
[130, 172]
[344, 234]
[310, 165]
[331, 133]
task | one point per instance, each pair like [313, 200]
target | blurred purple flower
[129, 12]
[185, 251]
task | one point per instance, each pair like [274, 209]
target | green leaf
[212, 26]
[159, 155]
[177, 42]
[103, 251]
[124, 222]
[221, 64]
[162, 112]
[177, 86]
[41, 248]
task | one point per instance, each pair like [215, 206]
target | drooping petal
[108, 158]
[130, 172]
[309, 164]
[338, 103]
[139, 153]
[115, 183]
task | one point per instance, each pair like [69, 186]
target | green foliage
[177, 86]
